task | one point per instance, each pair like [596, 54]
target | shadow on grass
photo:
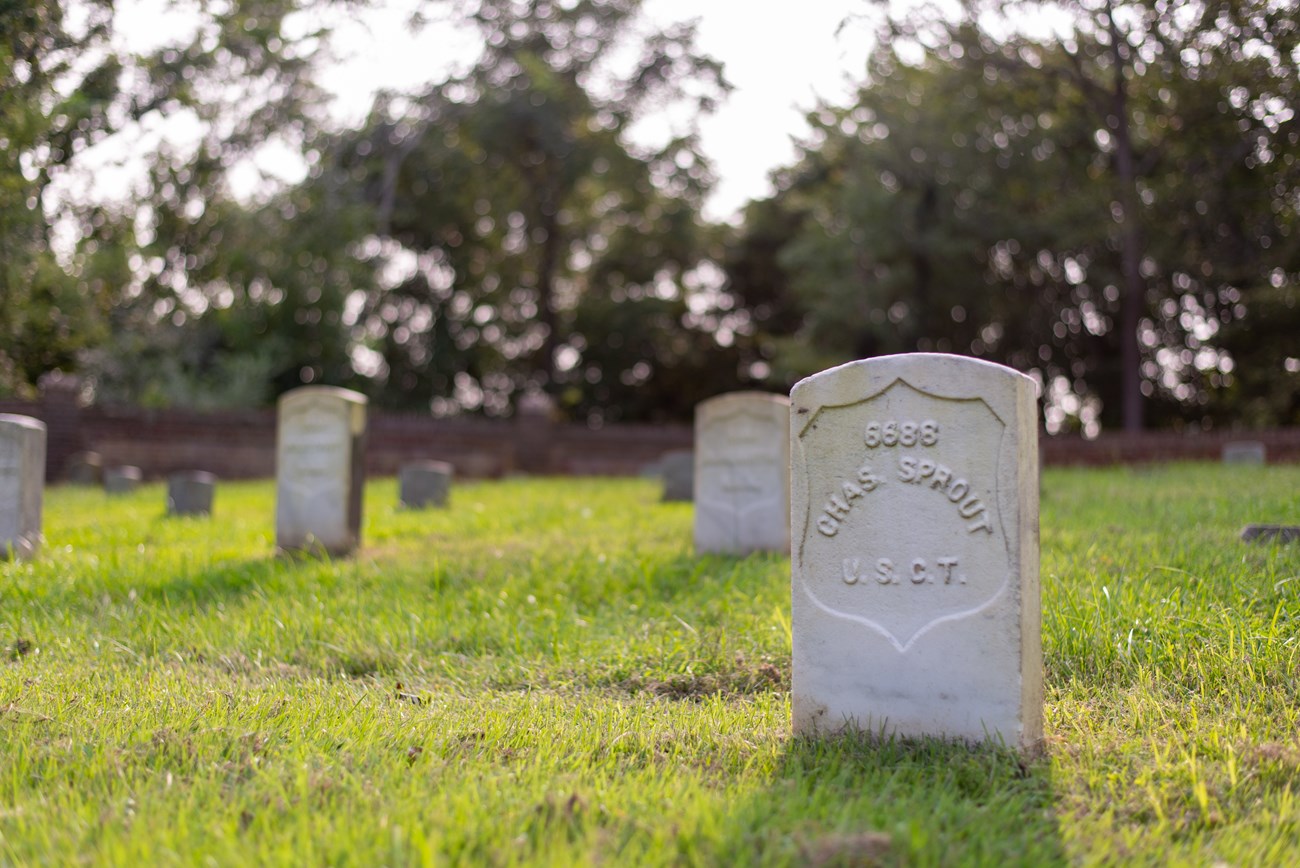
[857, 800]
[687, 575]
[223, 582]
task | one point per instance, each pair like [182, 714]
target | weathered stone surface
[424, 483]
[678, 470]
[123, 479]
[1244, 452]
[1283, 533]
[190, 492]
[652, 470]
[319, 469]
[84, 468]
[742, 473]
[22, 485]
[914, 512]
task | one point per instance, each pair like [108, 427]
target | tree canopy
[1107, 202]
[521, 239]
[1112, 206]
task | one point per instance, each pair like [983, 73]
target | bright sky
[779, 59]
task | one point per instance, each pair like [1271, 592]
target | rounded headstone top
[304, 392]
[21, 421]
[193, 476]
[428, 464]
[944, 372]
[742, 397]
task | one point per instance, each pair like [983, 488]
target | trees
[470, 242]
[52, 105]
[1107, 205]
[520, 238]
[122, 277]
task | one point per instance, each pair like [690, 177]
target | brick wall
[1282, 446]
[241, 444]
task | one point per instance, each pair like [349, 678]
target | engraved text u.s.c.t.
[904, 529]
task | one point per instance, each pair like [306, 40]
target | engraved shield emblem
[904, 527]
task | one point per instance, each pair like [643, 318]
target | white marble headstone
[742, 473]
[22, 482]
[1244, 452]
[319, 469]
[914, 512]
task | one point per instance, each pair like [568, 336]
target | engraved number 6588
[895, 433]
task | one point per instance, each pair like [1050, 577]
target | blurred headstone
[22, 485]
[1244, 452]
[190, 492]
[678, 469]
[319, 469]
[122, 479]
[535, 418]
[1283, 533]
[742, 473]
[84, 468]
[424, 483]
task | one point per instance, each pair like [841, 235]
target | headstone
[535, 417]
[84, 468]
[678, 469]
[1244, 452]
[424, 483]
[189, 492]
[319, 469]
[22, 481]
[915, 566]
[1282, 533]
[122, 480]
[742, 473]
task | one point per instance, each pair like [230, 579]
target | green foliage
[52, 104]
[1107, 208]
[545, 674]
[119, 303]
[513, 214]
[1110, 207]
[224, 302]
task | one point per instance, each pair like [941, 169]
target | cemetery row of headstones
[319, 476]
[905, 489]
[909, 488]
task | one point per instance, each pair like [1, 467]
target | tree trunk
[547, 265]
[1133, 290]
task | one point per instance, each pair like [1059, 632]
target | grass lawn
[546, 674]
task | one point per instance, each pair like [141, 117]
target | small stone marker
[319, 469]
[652, 470]
[122, 480]
[424, 483]
[1244, 452]
[915, 569]
[189, 492]
[1282, 533]
[678, 469]
[84, 468]
[22, 481]
[742, 473]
